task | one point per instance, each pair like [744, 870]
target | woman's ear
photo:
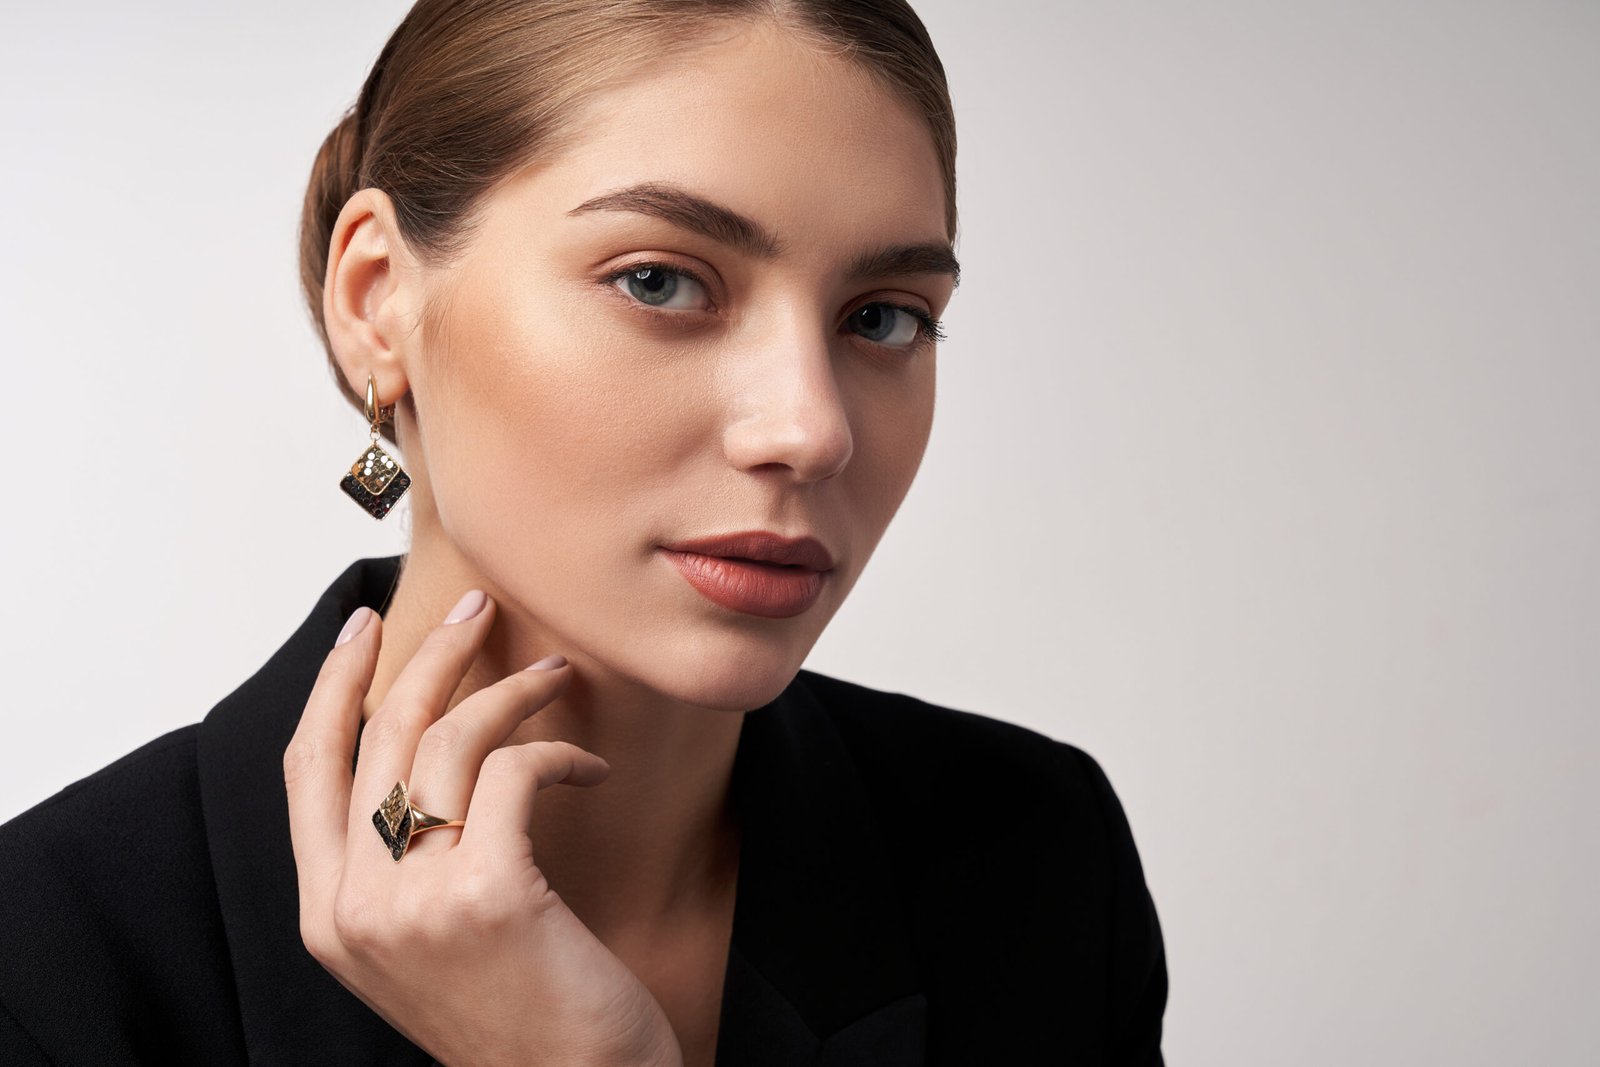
[370, 296]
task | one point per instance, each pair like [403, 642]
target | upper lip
[763, 545]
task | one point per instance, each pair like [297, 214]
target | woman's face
[575, 410]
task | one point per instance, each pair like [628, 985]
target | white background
[1264, 466]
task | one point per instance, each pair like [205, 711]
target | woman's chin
[721, 681]
[738, 690]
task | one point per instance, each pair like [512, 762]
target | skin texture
[564, 428]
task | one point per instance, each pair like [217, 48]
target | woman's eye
[896, 326]
[655, 285]
[658, 286]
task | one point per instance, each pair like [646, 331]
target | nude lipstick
[757, 572]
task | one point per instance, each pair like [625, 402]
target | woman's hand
[462, 945]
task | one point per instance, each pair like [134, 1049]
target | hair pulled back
[465, 93]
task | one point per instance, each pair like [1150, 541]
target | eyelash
[930, 330]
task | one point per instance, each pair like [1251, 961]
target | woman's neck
[653, 846]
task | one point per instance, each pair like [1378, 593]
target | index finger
[317, 769]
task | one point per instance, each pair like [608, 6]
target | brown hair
[466, 92]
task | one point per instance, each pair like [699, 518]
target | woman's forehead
[770, 128]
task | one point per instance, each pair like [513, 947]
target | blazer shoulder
[160, 772]
[986, 810]
[952, 770]
[112, 922]
[922, 746]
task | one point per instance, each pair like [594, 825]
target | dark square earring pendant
[375, 481]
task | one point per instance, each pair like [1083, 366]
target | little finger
[502, 803]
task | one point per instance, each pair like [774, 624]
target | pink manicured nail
[354, 624]
[549, 663]
[468, 606]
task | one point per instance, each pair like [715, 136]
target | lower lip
[768, 590]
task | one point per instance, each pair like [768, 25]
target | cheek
[890, 428]
[546, 424]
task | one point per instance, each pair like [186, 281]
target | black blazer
[917, 885]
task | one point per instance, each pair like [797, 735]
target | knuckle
[443, 740]
[565, 756]
[445, 640]
[301, 757]
[476, 900]
[509, 762]
[383, 729]
[415, 916]
[317, 941]
[354, 920]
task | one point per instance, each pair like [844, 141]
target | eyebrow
[689, 211]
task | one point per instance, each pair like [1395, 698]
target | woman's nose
[787, 411]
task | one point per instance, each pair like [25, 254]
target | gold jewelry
[376, 480]
[398, 821]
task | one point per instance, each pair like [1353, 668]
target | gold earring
[376, 479]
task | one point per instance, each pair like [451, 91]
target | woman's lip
[770, 590]
[764, 546]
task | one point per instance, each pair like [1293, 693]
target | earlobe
[364, 295]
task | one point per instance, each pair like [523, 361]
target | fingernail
[354, 624]
[549, 663]
[468, 606]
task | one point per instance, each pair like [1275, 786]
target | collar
[821, 967]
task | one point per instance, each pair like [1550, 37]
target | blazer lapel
[820, 970]
[293, 1010]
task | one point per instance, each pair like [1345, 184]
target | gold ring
[398, 821]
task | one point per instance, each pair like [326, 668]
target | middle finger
[451, 753]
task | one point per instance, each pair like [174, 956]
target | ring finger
[450, 756]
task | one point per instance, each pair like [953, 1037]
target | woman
[653, 291]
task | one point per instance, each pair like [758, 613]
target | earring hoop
[376, 414]
[376, 481]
